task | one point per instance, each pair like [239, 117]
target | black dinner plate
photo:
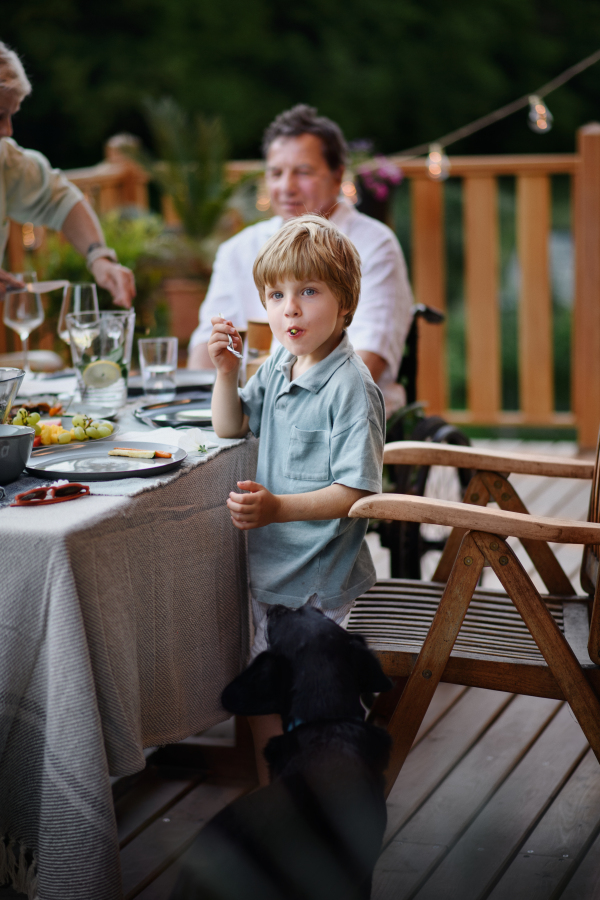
[178, 413]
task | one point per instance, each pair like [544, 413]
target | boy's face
[305, 317]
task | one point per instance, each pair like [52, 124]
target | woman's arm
[260, 507]
[82, 229]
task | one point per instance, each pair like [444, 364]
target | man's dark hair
[303, 119]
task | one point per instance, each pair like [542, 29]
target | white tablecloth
[121, 620]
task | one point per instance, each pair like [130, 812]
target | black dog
[315, 833]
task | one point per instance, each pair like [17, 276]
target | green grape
[91, 432]
[104, 424]
[103, 431]
[38, 429]
[79, 433]
[23, 413]
[64, 438]
[18, 420]
[35, 417]
[78, 421]
[95, 424]
[30, 421]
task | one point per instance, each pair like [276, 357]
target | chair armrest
[405, 508]
[427, 453]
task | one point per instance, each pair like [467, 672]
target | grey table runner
[121, 620]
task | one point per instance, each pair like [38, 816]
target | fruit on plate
[83, 428]
[101, 373]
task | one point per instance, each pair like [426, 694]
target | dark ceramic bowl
[16, 442]
[10, 382]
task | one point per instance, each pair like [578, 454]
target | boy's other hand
[256, 508]
[221, 358]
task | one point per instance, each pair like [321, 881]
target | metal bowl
[10, 382]
[16, 442]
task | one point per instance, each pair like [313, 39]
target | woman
[31, 191]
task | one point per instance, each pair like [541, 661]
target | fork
[230, 342]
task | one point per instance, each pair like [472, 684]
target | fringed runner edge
[18, 864]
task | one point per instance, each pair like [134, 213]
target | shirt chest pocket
[308, 455]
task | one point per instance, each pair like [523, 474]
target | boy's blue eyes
[277, 295]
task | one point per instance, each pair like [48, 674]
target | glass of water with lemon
[101, 349]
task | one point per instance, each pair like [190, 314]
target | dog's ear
[369, 674]
[260, 689]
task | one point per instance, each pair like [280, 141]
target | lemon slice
[101, 373]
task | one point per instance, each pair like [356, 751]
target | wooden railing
[119, 182]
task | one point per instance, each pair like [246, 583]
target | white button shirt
[382, 318]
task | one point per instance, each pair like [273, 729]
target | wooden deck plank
[553, 848]
[148, 799]
[426, 767]
[445, 815]
[487, 848]
[161, 888]
[165, 839]
[585, 884]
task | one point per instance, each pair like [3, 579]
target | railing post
[536, 371]
[484, 398]
[429, 280]
[585, 357]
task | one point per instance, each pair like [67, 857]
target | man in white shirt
[305, 156]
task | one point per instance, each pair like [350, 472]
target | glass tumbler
[158, 361]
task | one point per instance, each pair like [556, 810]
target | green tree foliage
[398, 71]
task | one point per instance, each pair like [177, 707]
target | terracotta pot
[184, 296]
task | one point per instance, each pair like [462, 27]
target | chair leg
[552, 644]
[435, 652]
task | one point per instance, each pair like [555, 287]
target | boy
[321, 422]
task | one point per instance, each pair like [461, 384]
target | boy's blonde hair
[311, 247]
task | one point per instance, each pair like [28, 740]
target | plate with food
[66, 430]
[190, 411]
[103, 461]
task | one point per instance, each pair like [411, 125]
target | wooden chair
[448, 629]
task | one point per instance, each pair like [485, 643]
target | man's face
[298, 178]
[9, 105]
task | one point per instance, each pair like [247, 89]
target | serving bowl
[10, 382]
[16, 442]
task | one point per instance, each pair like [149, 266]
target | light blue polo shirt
[326, 426]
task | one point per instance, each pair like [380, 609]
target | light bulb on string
[438, 164]
[540, 118]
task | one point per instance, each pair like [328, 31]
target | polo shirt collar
[317, 376]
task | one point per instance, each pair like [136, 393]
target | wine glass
[23, 312]
[77, 298]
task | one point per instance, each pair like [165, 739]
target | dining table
[123, 615]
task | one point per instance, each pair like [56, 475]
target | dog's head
[313, 670]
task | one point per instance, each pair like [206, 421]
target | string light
[438, 164]
[349, 191]
[540, 117]
[263, 201]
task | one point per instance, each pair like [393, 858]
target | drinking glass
[23, 312]
[101, 350]
[158, 360]
[77, 298]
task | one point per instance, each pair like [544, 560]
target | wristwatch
[99, 251]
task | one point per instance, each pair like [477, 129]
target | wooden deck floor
[499, 797]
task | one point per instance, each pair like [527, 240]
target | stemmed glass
[77, 298]
[23, 312]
